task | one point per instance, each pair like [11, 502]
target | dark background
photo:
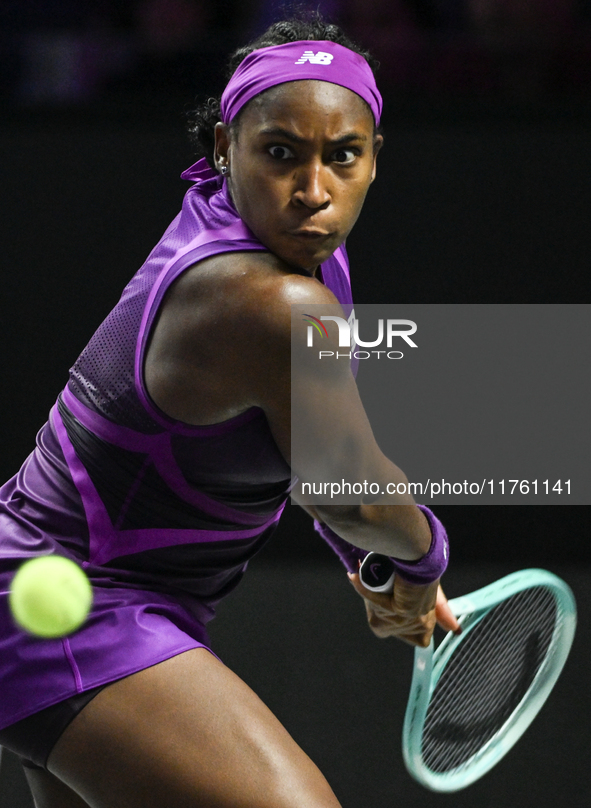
[482, 195]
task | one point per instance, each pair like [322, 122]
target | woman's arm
[400, 614]
[222, 344]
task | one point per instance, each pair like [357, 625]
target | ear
[377, 145]
[222, 143]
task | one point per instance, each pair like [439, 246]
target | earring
[223, 170]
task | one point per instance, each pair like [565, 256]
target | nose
[311, 188]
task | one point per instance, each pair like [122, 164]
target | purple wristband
[424, 570]
[431, 566]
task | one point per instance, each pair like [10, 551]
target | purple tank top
[129, 491]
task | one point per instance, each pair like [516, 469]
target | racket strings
[487, 677]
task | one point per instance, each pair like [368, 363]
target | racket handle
[376, 573]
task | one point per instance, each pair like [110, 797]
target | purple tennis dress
[163, 516]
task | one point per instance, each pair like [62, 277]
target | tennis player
[165, 463]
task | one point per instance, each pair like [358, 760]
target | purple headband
[296, 61]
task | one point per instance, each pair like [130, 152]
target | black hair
[305, 25]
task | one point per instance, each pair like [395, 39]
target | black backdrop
[465, 209]
[487, 208]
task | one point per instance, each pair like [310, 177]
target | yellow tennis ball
[50, 596]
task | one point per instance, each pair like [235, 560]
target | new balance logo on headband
[320, 58]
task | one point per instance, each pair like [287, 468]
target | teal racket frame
[429, 664]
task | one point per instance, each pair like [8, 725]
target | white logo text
[320, 58]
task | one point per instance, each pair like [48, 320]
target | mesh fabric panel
[103, 376]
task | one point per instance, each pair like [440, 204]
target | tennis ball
[50, 596]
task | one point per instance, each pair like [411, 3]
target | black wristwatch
[377, 573]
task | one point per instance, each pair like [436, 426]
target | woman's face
[300, 163]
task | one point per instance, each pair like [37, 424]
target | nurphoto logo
[349, 335]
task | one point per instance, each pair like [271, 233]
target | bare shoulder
[224, 330]
[254, 289]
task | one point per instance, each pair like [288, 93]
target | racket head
[446, 750]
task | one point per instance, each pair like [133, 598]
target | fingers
[407, 613]
[418, 604]
[445, 617]
[382, 599]
[410, 612]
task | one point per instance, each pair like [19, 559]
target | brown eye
[280, 152]
[345, 156]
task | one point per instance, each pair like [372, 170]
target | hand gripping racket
[474, 696]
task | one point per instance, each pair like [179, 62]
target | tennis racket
[473, 696]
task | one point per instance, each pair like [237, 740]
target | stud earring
[223, 170]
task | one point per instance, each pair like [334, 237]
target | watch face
[376, 572]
